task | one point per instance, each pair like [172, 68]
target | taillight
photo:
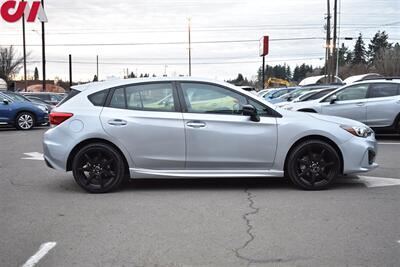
[57, 118]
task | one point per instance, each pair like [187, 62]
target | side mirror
[333, 99]
[250, 110]
[289, 99]
[5, 101]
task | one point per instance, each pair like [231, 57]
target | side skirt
[147, 173]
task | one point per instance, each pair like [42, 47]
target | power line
[176, 43]
[174, 63]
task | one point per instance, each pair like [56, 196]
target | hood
[336, 120]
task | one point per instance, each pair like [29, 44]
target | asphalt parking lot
[209, 222]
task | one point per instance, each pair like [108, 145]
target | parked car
[23, 115]
[18, 97]
[373, 102]
[307, 96]
[278, 93]
[49, 98]
[40, 101]
[300, 91]
[104, 131]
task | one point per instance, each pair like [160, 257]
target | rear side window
[383, 90]
[118, 99]
[70, 95]
[98, 98]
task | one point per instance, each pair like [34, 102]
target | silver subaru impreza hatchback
[106, 132]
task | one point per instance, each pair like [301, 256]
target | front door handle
[117, 122]
[196, 124]
[360, 104]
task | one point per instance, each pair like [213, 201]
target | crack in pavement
[250, 227]
[252, 236]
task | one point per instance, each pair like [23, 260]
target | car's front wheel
[98, 168]
[25, 121]
[313, 165]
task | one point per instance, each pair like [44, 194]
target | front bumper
[359, 154]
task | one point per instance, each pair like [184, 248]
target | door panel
[383, 104]
[351, 103]
[155, 140]
[229, 142]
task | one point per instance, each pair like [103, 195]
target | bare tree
[387, 61]
[10, 63]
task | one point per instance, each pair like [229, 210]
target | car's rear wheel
[98, 168]
[25, 121]
[313, 165]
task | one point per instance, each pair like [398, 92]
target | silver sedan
[192, 128]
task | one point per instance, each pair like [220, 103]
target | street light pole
[190, 49]
[24, 50]
[43, 54]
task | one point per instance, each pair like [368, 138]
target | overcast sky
[165, 21]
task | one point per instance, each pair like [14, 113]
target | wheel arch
[77, 147]
[315, 137]
[24, 111]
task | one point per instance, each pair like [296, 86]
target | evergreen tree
[359, 53]
[343, 55]
[95, 79]
[36, 74]
[380, 41]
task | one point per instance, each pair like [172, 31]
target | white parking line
[43, 250]
[34, 156]
[379, 181]
[388, 143]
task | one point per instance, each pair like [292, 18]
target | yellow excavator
[276, 82]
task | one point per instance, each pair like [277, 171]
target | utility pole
[97, 67]
[263, 73]
[24, 50]
[334, 49]
[338, 39]
[70, 70]
[190, 49]
[43, 54]
[328, 42]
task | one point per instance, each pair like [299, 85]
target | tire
[25, 121]
[313, 165]
[98, 168]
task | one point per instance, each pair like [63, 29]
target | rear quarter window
[383, 90]
[99, 98]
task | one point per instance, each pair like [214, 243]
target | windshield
[17, 97]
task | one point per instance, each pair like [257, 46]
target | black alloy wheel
[313, 165]
[98, 168]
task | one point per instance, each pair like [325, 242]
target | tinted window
[153, 97]
[98, 98]
[56, 98]
[280, 93]
[383, 90]
[70, 95]
[206, 98]
[317, 95]
[118, 98]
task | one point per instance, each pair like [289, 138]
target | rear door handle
[117, 122]
[196, 124]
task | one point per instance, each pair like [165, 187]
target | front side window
[383, 90]
[206, 98]
[354, 92]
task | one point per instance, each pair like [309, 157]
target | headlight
[360, 131]
[43, 108]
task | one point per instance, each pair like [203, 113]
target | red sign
[264, 46]
[12, 11]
